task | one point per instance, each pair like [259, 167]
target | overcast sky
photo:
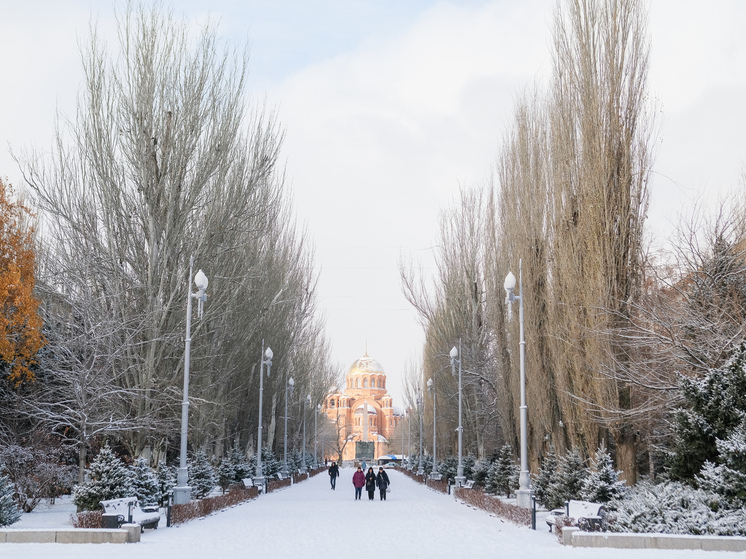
[389, 107]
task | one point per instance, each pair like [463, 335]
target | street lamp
[182, 492]
[434, 473]
[266, 359]
[420, 469]
[523, 495]
[307, 400]
[288, 388]
[460, 479]
[409, 439]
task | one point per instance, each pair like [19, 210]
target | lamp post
[288, 388]
[266, 359]
[409, 439]
[182, 492]
[523, 495]
[420, 469]
[455, 358]
[434, 473]
[315, 436]
[307, 400]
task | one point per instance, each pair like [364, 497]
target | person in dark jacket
[382, 481]
[358, 480]
[370, 483]
[333, 473]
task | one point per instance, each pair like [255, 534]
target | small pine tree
[166, 477]
[569, 480]
[202, 478]
[503, 474]
[226, 473]
[547, 473]
[602, 484]
[109, 480]
[468, 463]
[144, 483]
[9, 510]
[448, 467]
[240, 465]
[728, 480]
[481, 471]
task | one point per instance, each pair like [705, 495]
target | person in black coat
[333, 473]
[382, 480]
[370, 483]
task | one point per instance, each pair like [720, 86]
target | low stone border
[128, 533]
[576, 538]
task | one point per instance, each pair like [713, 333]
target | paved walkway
[308, 520]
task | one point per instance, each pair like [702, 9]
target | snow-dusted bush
[9, 511]
[602, 484]
[568, 482]
[166, 477]
[271, 465]
[109, 480]
[144, 483]
[202, 478]
[547, 473]
[673, 508]
[448, 467]
[502, 478]
[481, 471]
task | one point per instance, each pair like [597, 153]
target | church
[363, 413]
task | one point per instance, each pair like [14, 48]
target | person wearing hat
[382, 481]
[370, 483]
[358, 480]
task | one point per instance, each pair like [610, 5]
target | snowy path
[312, 521]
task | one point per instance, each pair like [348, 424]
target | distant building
[365, 390]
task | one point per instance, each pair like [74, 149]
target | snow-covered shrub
[542, 481]
[226, 473]
[728, 479]
[9, 511]
[166, 477]
[673, 508]
[109, 480]
[240, 465]
[481, 471]
[714, 408]
[144, 483]
[202, 478]
[502, 478]
[568, 482]
[271, 465]
[448, 467]
[602, 484]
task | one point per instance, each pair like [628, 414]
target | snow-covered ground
[310, 520]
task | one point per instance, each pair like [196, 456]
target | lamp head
[268, 354]
[509, 284]
[454, 353]
[291, 382]
[200, 280]
[430, 384]
[308, 399]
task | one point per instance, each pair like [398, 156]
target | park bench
[128, 510]
[469, 484]
[585, 515]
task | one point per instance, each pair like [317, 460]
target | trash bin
[111, 520]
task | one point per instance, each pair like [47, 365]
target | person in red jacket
[358, 480]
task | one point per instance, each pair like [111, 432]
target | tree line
[615, 332]
[167, 158]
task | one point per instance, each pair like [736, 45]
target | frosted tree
[109, 480]
[481, 470]
[166, 476]
[602, 484]
[714, 408]
[202, 478]
[9, 511]
[547, 474]
[728, 479]
[144, 483]
[503, 475]
[568, 483]
[226, 473]
[240, 465]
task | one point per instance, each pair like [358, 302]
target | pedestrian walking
[382, 481]
[358, 480]
[370, 483]
[333, 473]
